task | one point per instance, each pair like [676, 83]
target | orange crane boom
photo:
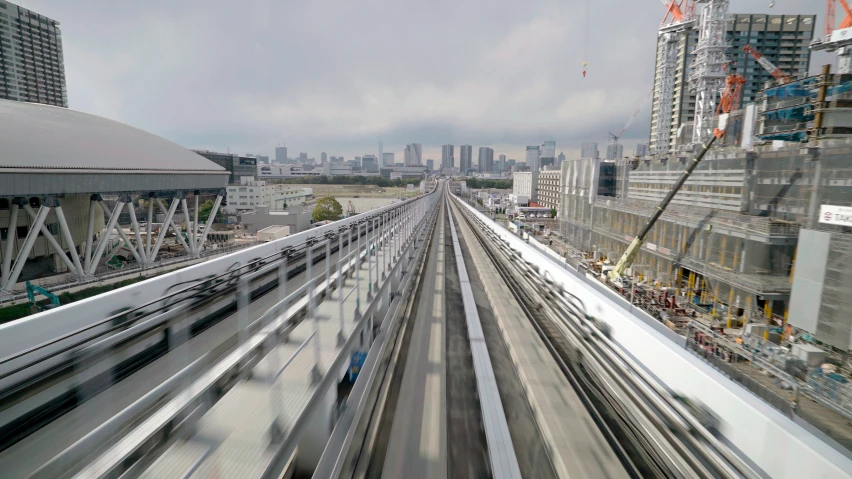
[768, 65]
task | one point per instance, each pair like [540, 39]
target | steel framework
[707, 77]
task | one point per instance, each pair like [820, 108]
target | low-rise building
[525, 183]
[272, 233]
[297, 218]
[285, 171]
[548, 188]
[250, 194]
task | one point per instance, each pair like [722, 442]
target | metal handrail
[256, 264]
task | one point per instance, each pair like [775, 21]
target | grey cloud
[340, 75]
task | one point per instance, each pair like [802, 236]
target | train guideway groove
[746, 423]
[291, 392]
[563, 422]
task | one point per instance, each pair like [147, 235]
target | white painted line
[431, 423]
[435, 344]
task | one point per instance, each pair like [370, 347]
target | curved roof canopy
[48, 144]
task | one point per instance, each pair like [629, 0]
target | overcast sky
[338, 76]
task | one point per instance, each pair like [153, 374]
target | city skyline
[343, 99]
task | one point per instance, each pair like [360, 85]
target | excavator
[728, 102]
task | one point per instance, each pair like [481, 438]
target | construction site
[742, 246]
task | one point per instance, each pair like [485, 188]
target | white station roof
[43, 136]
[52, 150]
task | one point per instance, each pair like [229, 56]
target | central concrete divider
[771, 441]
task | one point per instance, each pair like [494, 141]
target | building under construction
[744, 237]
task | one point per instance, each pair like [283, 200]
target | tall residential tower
[31, 64]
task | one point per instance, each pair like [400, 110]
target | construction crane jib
[767, 65]
[837, 39]
[728, 102]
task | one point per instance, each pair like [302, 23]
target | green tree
[553, 212]
[205, 209]
[327, 208]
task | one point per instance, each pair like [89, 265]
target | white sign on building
[835, 215]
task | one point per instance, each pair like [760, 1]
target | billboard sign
[835, 215]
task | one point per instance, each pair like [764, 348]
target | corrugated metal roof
[47, 137]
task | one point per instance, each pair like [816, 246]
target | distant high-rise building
[465, 158]
[414, 154]
[430, 165]
[781, 39]
[533, 157]
[262, 159]
[381, 156]
[281, 154]
[370, 163]
[614, 151]
[501, 165]
[323, 158]
[589, 150]
[511, 163]
[447, 156]
[547, 155]
[32, 68]
[560, 159]
[387, 159]
[641, 149]
[486, 159]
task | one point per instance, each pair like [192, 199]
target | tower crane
[679, 17]
[727, 103]
[837, 39]
[615, 138]
[768, 65]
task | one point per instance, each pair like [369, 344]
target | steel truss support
[140, 246]
[11, 240]
[50, 202]
[66, 234]
[171, 221]
[209, 221]
[32, 234]
[90, 231]
[148, 226]
[118, 207]
[190, 238]
[707, 78]
[170, 212]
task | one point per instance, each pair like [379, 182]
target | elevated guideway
[775, 445]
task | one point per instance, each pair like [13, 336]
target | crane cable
[586, 36]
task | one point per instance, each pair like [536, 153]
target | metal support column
[90, 231]
[66, 234]
[32, 234]
[148, 226]
[118, 207]
[134, 223]
[164, 227]
[174, 227]
[369, 270]
[190, 240]
[11, 239]
[210, 220]
[195, 223]
[102, 243]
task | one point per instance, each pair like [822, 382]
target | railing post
[369, 265]
[328, 266]
[376, 239]
[282, 278]
[384, 245]
[315, 372]
[358, 276]
[351, 270]
[340, 284]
